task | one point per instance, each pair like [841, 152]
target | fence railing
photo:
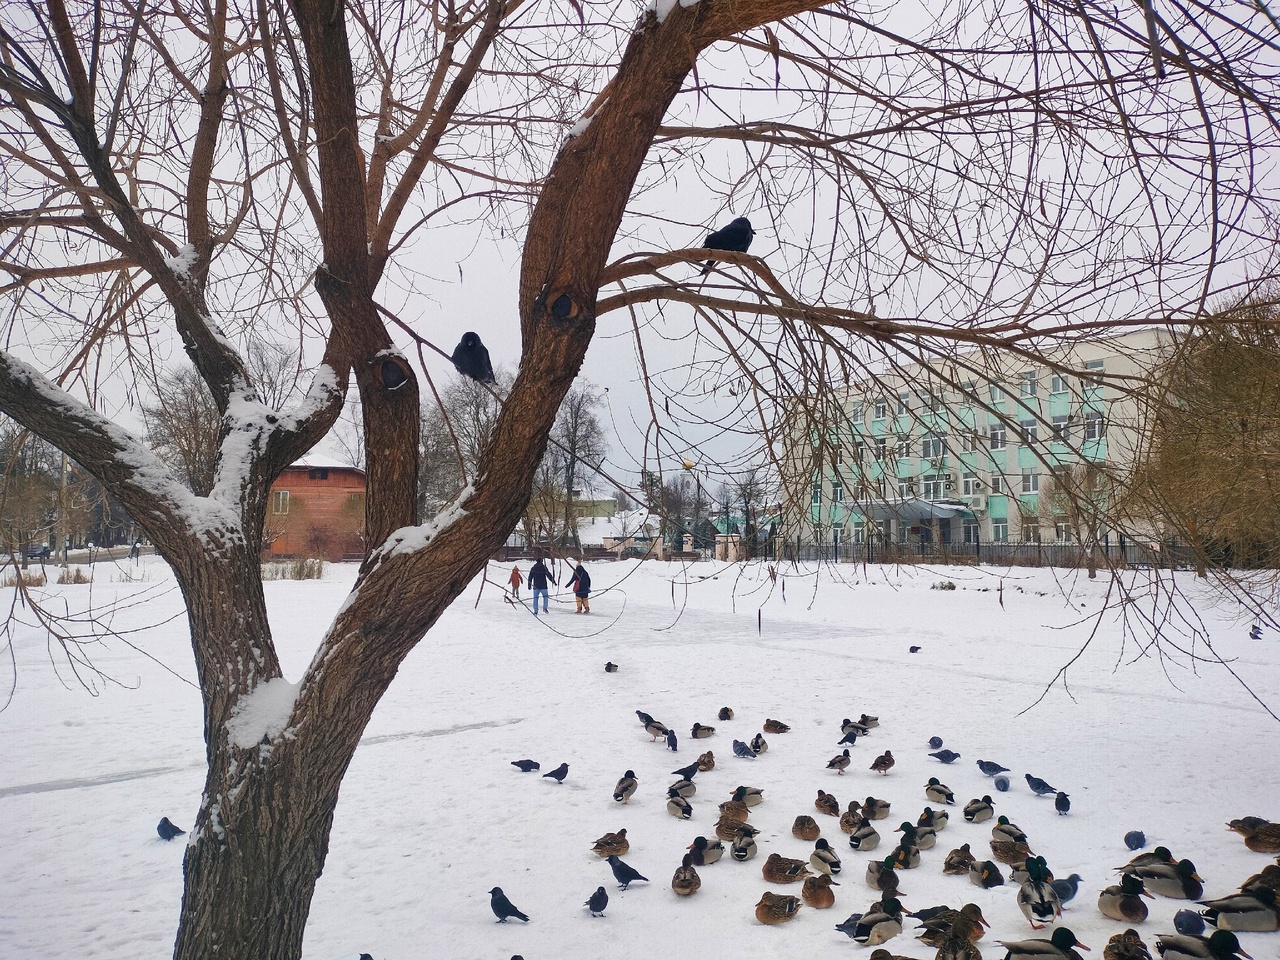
[1170, 554]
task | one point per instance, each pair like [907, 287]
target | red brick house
[316, 510]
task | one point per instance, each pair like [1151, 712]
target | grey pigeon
[991, 768]
[935, 743]
[1039, 787]
[1066, 889]
[624, 873]
[167, 830]
[1062, 804]
[946, 756]
[558, 774]
[526, 765]
[471, 359]
[502, 907]
[1188, 923]
[741, 749]
[1002, 783]
[1135, 839]
[597, 902]
[736, 237]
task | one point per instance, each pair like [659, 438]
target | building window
[968, 442]
[1062, 531]
[318, 473]
[858, 451]
[998, 436]
[1029, 431]
[1030, 480]
[968, 391]
[855, 412]
[355, 498]
[904, 531]
[881, 409]
[1095, 427]
[931, 446]
[969, 531]
[1059, 383]
[837, 455]
[882, 447]
[837, 491]
[935, 402]
[997, 483]
[970, 484]
[996, 393]
[817, 494]
[902, 449]
[886, 531]
[1062, 429]
[837, 533]
[1027, 383]
[1000, 531]
[859, 532]
[906, 488]
[1030, 532]
[280, 501]
[934, 484]
[1093, 370]
[904, 402]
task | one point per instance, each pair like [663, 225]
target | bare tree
[579, 447]
[265, 170]
[184, 428]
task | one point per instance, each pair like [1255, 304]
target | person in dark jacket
[581, 587]
[538, 577]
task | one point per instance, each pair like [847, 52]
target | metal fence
[1169, 554]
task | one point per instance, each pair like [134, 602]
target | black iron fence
[1169, 554]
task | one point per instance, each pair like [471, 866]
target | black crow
[687, 772]
[502, 907]
[1038, 786]
[167, 830]
[472, 359]
[913, 649]
[1062, 804]
[991, 768]
[559, 773]
[526, 765]
[735, 237]
[597, 902]
[850, 738]
[671, 740]
[623, 873]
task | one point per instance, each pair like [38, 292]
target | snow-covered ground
[433, 814]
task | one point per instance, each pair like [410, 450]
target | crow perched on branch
[736, 237]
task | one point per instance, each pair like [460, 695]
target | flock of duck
[954, 932]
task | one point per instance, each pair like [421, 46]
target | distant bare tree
[184, 428]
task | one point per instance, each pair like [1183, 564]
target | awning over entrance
[911, 510]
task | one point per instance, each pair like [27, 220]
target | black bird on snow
[1038, 786]
[366, 956]
[502, 907]
[736, 237]
[167, 830]
[1062, 804]
[597, 902]
[671, 740]
[913, 649]
[743, 750]
[624, 873]
[850, 738]
[471, 359]
[935, 743]
[946, 756]
[526, 765]
[687, 772]
[558, 774]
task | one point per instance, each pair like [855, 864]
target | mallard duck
[705, 852]
[827, 803]
[1178, 881]
[878, 925]
[937, 792]
[986, 875]
[1158, 855]
[759, 744]
[1223, 945]
[817, 891]
[1268, 877]
[735, 809]
[1255, 911]
[685, 881]
[743, 847]
[958, 860]
[1123, 900]
[1260, 836]
[1007, 851]
[776, 908]
[883, 875]
[1020, 874]
[864, 837]
[1057, 947]
[874, 809]
[780, 869]
[728, 828]
[706, 761]
[656, 729]
[852, 818]
[824, 859]
[805, 828]
[1037, 899]
[840, 762]
[923, 837]
[848, 726]
[678, 806]
[967, 923]
[958, 948]
[979, 811]
[685, 787]
[938, 819]
[726, 713]
[751, 796]
[610, 667]
[775, 726]
[1005, 829]
[612, 844]
[1125, 946]
[881, 954]
[906, 855]
[869, 722]
[626, 787]
[699, 732]
[882, 764]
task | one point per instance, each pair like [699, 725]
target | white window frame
[969, 484]
[1029, 431]
[1059, 383]
[280, 502]
[1061, 427]
[1000, 531]
[1095, 425]
[1027, 383]
[1030, 480]
[881, 409]
[933, 486]
[997, 436]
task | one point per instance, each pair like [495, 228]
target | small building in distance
[316, 510]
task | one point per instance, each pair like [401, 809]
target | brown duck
[805, 828]
[817, 891]
[706, 761]
[780, 869]
[958, 860]
[882, 764]
[776, 908]
[612, 844]
[685, 881]
[1260, 836]
[776, 726]
[827, 803]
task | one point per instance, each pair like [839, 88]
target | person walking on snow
[581, 587]
[515, 580]
[538, 577]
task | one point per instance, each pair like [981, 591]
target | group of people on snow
[539, 579]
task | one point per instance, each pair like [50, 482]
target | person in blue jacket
[581, 587]
[538, 578]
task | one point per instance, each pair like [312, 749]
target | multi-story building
[977, 448]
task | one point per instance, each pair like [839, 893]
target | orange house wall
[325, 517]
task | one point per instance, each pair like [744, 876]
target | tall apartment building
[961, 451]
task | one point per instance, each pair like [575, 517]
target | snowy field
[433, 814]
